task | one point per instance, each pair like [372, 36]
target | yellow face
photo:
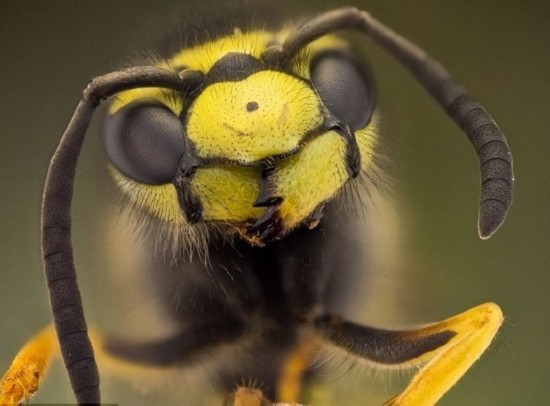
[261, 150]
[265, 115]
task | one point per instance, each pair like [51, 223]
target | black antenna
[497, 178]
[57, 251]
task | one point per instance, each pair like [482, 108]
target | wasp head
[252, 144]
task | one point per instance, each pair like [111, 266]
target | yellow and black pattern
[248, 114]
[244, 145]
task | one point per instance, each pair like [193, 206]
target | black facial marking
[234, 67]
[252, 106]
[189, 203]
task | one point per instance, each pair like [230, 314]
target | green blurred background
[498, 49]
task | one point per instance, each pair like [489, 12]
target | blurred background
[498, 50]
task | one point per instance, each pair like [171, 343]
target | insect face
[257, 147]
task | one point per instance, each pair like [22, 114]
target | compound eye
[344, 88]
[145, 141]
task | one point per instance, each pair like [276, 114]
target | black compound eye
[344, 88]
[145, 141]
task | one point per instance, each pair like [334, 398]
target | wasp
[232, 159]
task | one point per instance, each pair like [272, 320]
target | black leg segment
[380, 346]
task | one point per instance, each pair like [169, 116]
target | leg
[180, 350]
[29, 366]
[291, 378]
[31, 363]
[448, 349]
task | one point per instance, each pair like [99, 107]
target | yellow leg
[289, 386]
[29, 366]
[475, 329]
[448, 349]
[31, 363]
